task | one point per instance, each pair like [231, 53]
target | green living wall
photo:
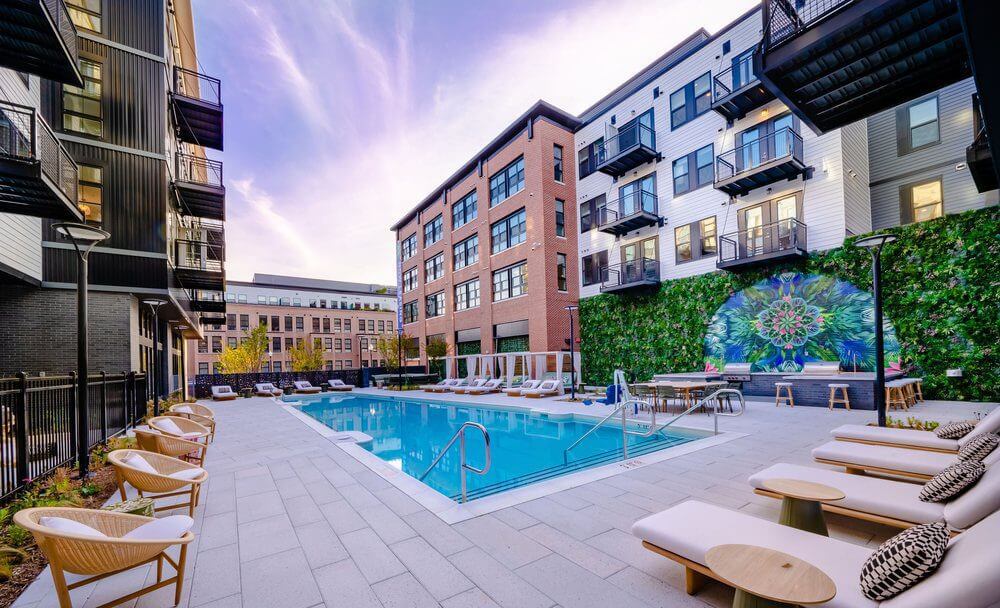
[941, 290]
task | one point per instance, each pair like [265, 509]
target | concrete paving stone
[627, 548]
[497, 581]
[283, 579]
[375, 560]
[302, 510]
[321, 544]
[515, 518]
[612, 518]
[429, 567]
[222, 501]
[322, 491]
[581, 554]
[371, 480]
[574, 523]
[258, 484]
[116, 586]
[252, 472]
[571, 585]
[400, 503]
[389, 526]
[342, 517]
[290, 487]
[511, 547]
[217, 531]
[342, 584]
[309, 475]
[259, 506]
[404, 591]
[233, 601]
[652, 591]
[359, 496]
[216, 575]
[440, 535]
[266, 536]
[281, 470]
[569, 500]
[339, 477]
[473, 598]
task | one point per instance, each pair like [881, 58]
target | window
[231, 322]
[275, 323]
[917, 125]
[592, 213]
[328, 344]
[682, 243]
[467, 295]
[410, 279]
[296, 301]
[262, 299]
[275, 345]
[347, 345]
[921, 201]
[288, 324]
[381, 326]
[241, 298]
[709, 244]
[216, 344]
[434, 268]
[338, 345]
[702, 163]
[691, 100]
[465, 210]
[557, 162]
[338, 325]
[326, 325]
[289, 343]
[433, 230]
[638, 195]
[588, 158]
[388, 325]
[90, 192]
[595, 267]
[262, 320]
[272, 300]
[410, 312]
[82, 107]
[695, 240]
[85, 14]
[231, 342]
[244, 322]
[202, 346]
[230, 297]
[277, 366]
[466, 252]
[561, 271]
[408, 247]
[315, 325]
[509, 231]
[510, 282]
[560, 218]
[347, 325]
[300, 323]
[508, 182]
[203, 369]
[435, 305]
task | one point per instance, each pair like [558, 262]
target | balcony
[640, 274]
[200, 264]
[633, 145]
[199, 187]
[37, 176]
[752, 247]
[38, 37]
[979, 155]
[834, 62]
[763, 161]
[629, 213]
[737, 90]
[207, 301]
[197, 104]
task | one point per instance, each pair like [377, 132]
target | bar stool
[918, 385]
[909, 392]
[895, 397]
[780, 398]
[836, 390]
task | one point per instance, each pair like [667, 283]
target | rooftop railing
[787, 18]
[783, 143]
[25, 136]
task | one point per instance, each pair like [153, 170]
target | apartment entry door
[769, 226]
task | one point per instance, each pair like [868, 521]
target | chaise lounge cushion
[979, 448]
[923, 439]
[977, 502]
[903, 560]
[896, 499]
[952, 481]
[691, 528]
[886, 457]
[955, 430]
[989, 424]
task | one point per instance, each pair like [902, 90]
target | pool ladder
[464, 466]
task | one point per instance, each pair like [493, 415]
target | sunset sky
[341, 116]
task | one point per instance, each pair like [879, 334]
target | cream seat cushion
[886, 457]
[136, 461]
[187, 474]
[170, 527]
[924, 439]
[691, 528]
[977, 502]
[169, 426]
[64, 524]
[896, 499]
[989, 424]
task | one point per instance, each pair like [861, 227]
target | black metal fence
[360, 378]
[38, 420]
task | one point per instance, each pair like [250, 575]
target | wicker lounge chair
[198, 413]
[160, 482]
[526, 385]
[919, 465]
[548, 388]
[913, 439]
[266, 389]
[99, 557]
[151, 440]
[223, 393]
[338, 385]
[178, 426]
[305, 387]
[490, 386]
[440, 387]
[463, 388]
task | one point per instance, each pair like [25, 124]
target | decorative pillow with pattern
[979, 448]
[955, 430]
[952, 481]
[900, 562]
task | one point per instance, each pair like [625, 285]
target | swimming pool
[526, 447]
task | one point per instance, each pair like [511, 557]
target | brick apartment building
[487, 260]
[343, 319]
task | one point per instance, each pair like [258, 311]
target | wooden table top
[685, 384]
[805, 490]
[771, 574]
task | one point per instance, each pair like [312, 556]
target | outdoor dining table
[685, 387]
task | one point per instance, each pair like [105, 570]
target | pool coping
[452, 512]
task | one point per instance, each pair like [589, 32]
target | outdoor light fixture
[154, 306]
[874, 243]
[84, 238]
[572, 363]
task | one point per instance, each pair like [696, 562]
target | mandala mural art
[789, 319]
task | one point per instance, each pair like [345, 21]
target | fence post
[104, 406]
[21, 429]
[126, 403]
[75, 435]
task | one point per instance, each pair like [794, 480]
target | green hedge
[941, 288]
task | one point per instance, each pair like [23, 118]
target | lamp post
[154, 306]
[183, 369]
[874, 244]
[572, 362]
[84, 238]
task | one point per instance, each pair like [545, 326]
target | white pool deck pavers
[290, 520]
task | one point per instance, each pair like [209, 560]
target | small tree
[389, 347]
[248, 356]
[305, 358]
[437, 350]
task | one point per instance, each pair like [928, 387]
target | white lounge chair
[885, 501]
[461, 388]
[547, 388]
[441, 386]
[305, 387]
[966, 577]
[526, 385]
[223, 393]
[914, 464]
[913, 439]
[266, 389]
[338, 385]
[490, 386]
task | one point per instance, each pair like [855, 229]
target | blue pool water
[409, 434]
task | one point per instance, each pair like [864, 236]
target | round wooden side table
[801, 503]
[765, 578]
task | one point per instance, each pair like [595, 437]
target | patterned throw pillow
[979, 448]
[952, 481]
[900, 562]
[954, 430]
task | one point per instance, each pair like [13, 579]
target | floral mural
[789, 319]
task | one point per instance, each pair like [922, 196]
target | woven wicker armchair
[185, 424]
[160, 484]
[197, 408]
[206, 421]
[99, 558]
[168, 445]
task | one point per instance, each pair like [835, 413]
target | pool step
[600, 458]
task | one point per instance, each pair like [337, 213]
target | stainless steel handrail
[464, 466]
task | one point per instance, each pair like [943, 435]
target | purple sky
[341, 116]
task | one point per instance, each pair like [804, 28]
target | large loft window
[557, 162]
[465, 210]
[434, 268]
[408, 247]
[467, 295]
[592, 213]
[82, 107]
[594, 267]
[510, 282]
[466, 252]
[917, 125]
[695, 240]
[507, 182]
[410, 312]
[511, 230]
[694, 170]
[85, 14]
[435, 305]
[691, 100]
[433, 230]
[921, 201]
[90, 193]
[410, 279]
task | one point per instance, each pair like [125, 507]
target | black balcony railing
[199, 170]
[734, 78]
[200, 87]
[752, 155]
[633, 273]
[633, 145]
[782, 239]
[201, 256]
[628, 213]
[789, 17]
[64, 25]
